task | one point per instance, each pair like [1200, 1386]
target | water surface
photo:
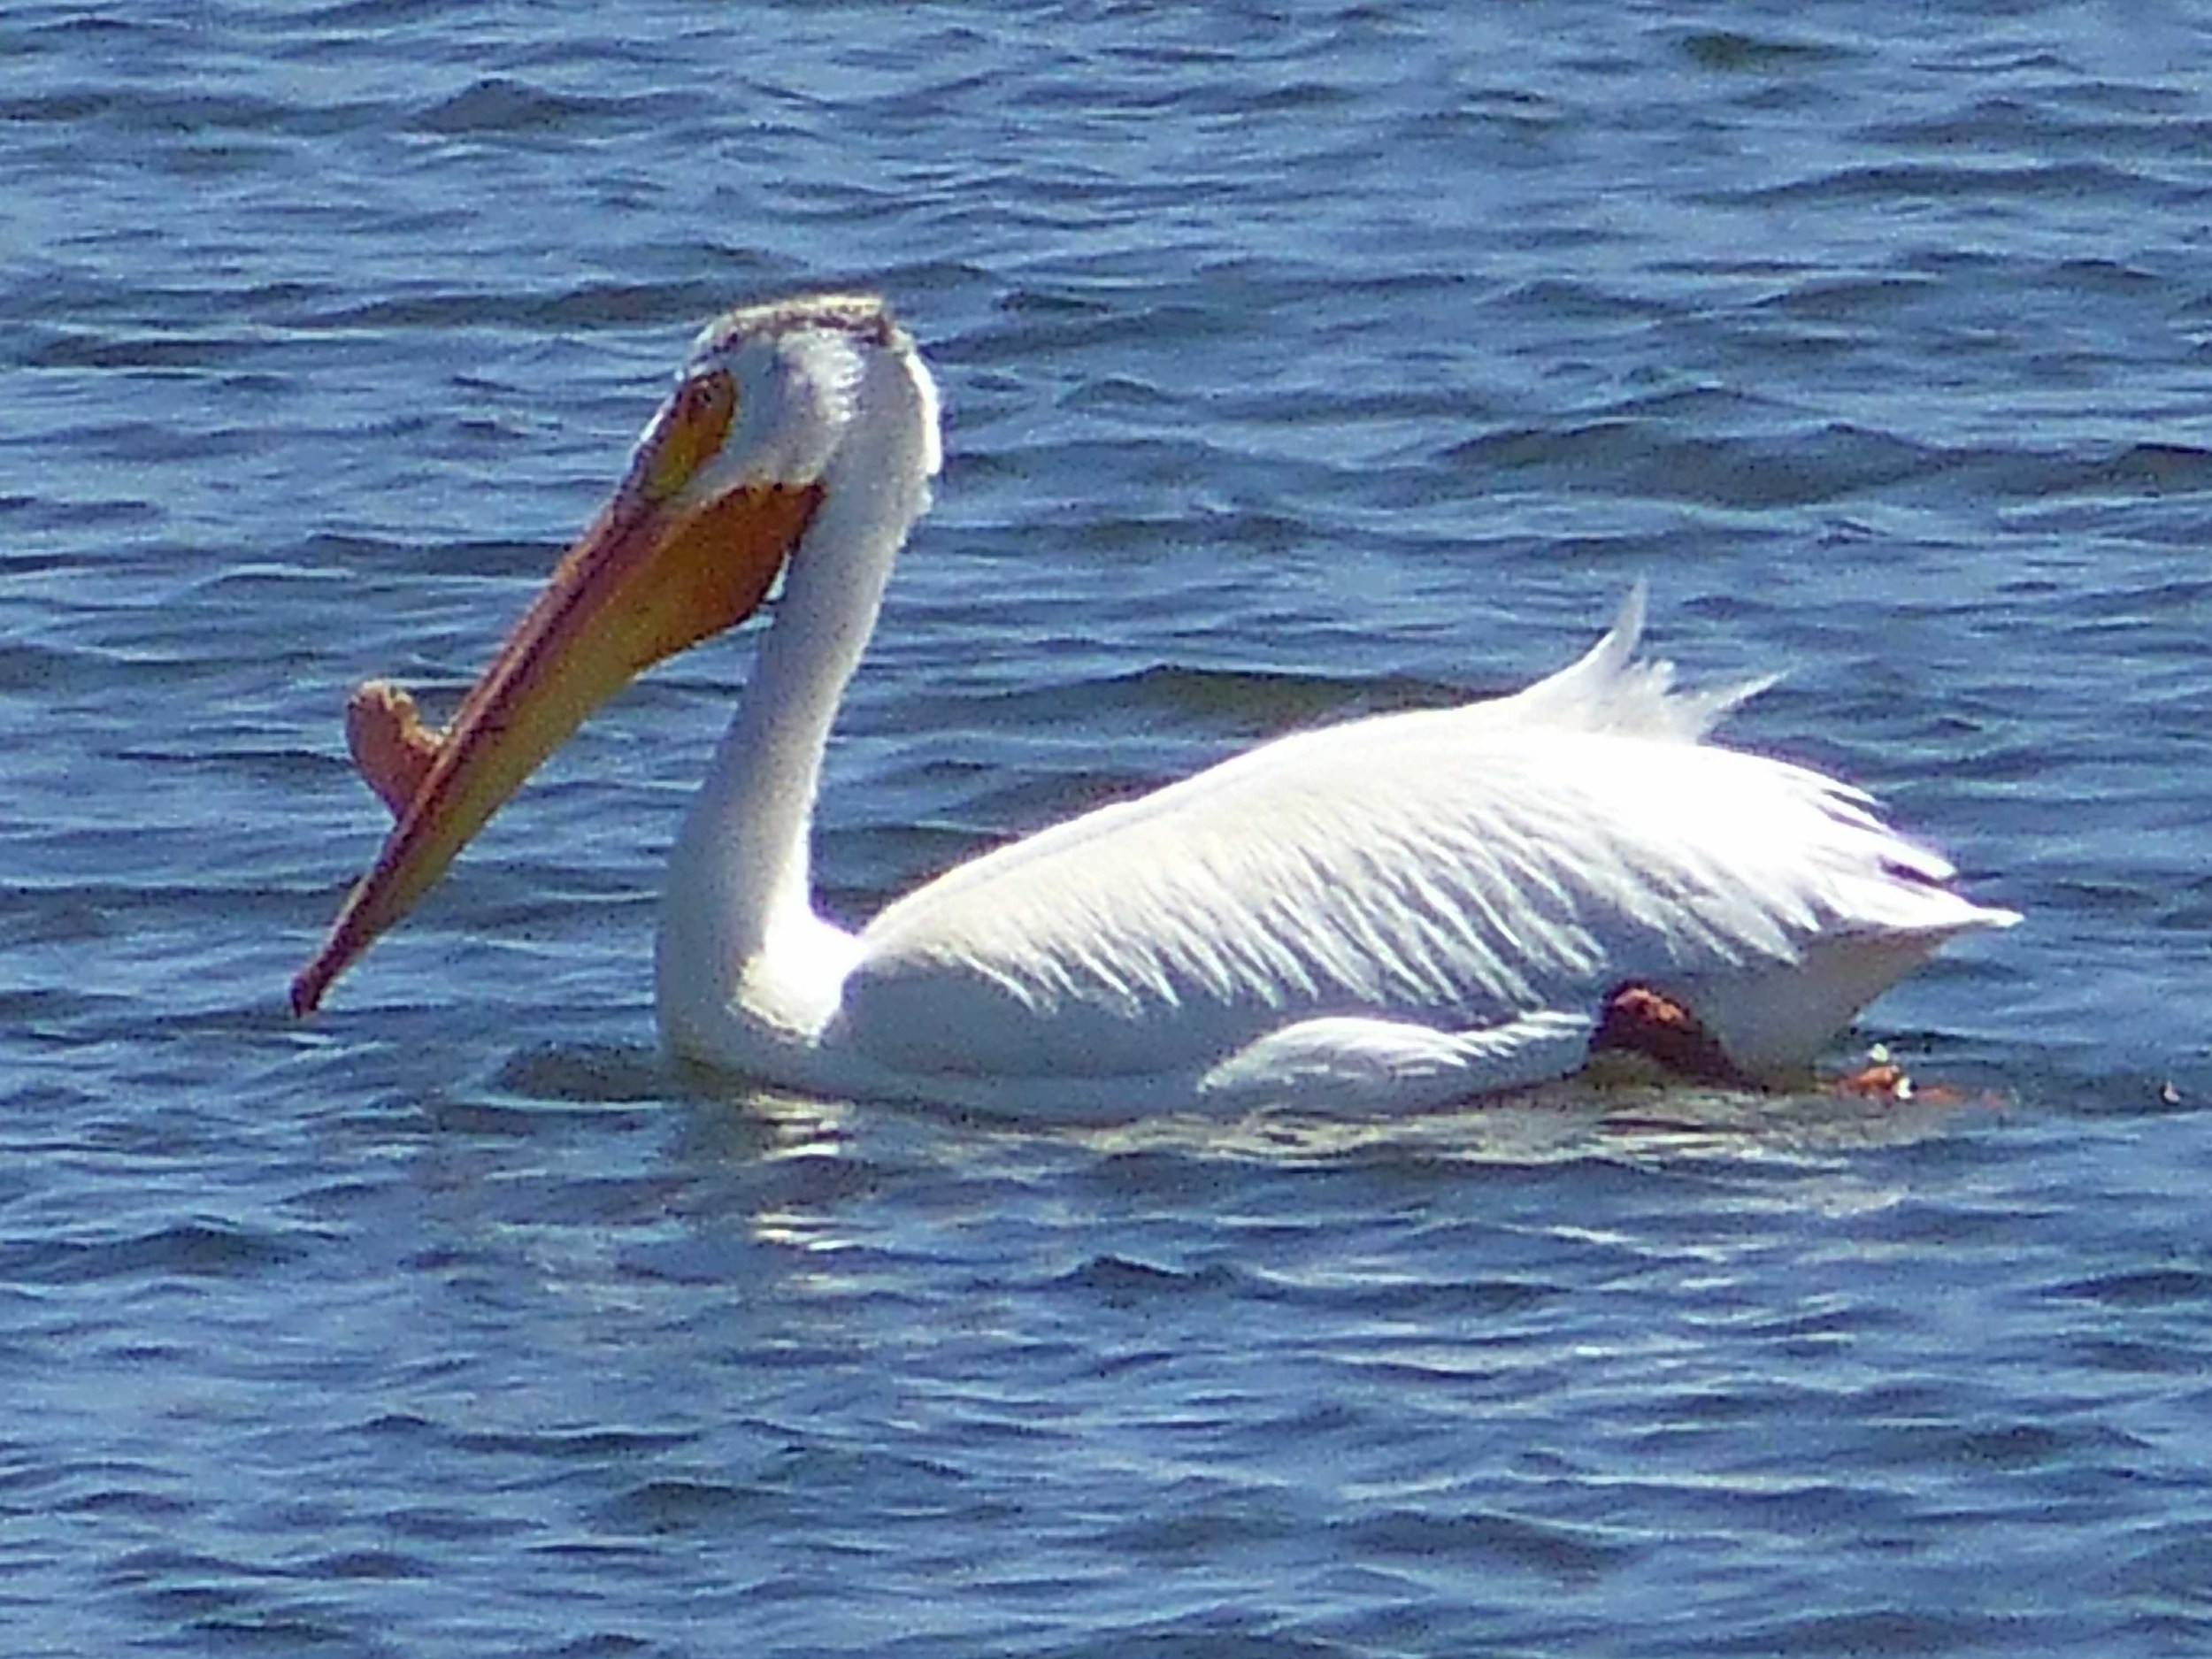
[1299, 361]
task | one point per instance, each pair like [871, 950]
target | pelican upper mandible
[1392, 912]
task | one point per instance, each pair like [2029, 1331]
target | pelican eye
[694, 426]
[708, 397]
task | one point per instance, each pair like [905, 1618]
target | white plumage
[1387, 913]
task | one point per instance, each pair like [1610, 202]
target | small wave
[1121, 1281]
[1830, 463]
[672, 1504]
[583, 305]
[498, 105]
[2153, 1287]
[586, 1074]
[193, 1249]
[1731, 51]
[1916, 181]
[1486, 1535]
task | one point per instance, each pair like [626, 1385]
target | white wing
[1452, 870]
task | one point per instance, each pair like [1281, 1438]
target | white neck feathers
[737, 920]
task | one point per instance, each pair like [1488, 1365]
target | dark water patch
[501, 104]
[2112, 276]
[366, 14]
[1630, 457]
[1808, 1332]
[1851, 1635]
[1212, 702]
[604, 1645]
[1156, 1173]
[810, 1177]
[1915, 1442]
[522, 1116]
[196, 1603]
[99, 28]
[1274, 704]
[45, 518]
[1730, 52]
[2111, 125]
[1570, 1554]
[328, 553]
[611, 1204]
[186, 1249]
[40, 916]
[458, 560]
[308, 1628]
[1739, 1402]
[1553, 299]
[401, 1426]
[2056, 181]
[2177, 1569]
[141, 110]
[371, 1565]
[1123, 1282]
[170, 1568]
[584, 1075]
[1861, 301]
[434, 1523]
[607, 304]
[2156, 469]
[1221, 1637]
[128, 1502]
[65, 906]
[2153, 1287]
[677, 1506]
[1960, 1225]
[2136, 1357]
[144, 351]
[1208, 1529]
[335, 1201]
[1406, 1298]
[2021, 1446]
[580, 1445]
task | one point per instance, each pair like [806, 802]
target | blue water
[1299, 361]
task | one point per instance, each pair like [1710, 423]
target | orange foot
[1639, 1020]
[391, 746]
[1882, 1078]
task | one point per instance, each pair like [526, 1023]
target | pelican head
[726, 486]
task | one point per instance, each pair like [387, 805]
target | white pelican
[1392, 912]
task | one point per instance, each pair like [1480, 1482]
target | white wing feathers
[1433, 875]
[1610, 690]
[1338, 1062]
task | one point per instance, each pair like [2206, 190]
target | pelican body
[1389, 913]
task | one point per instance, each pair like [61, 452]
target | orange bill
[662, 567]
